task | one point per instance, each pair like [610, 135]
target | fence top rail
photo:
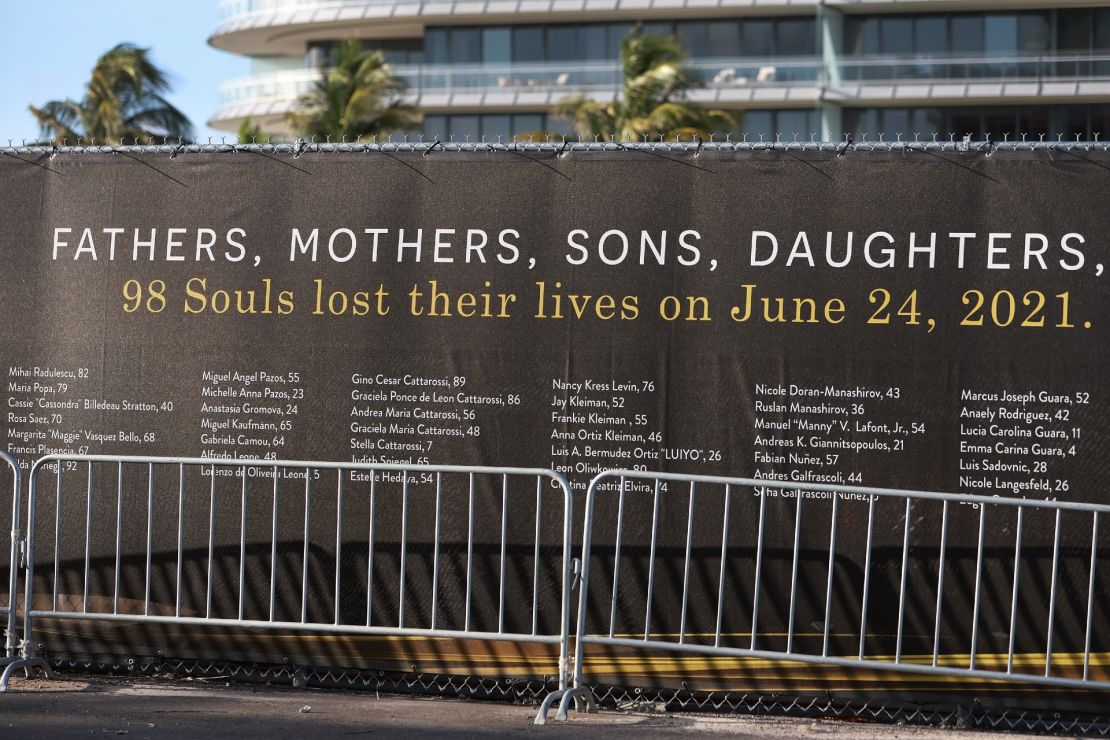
[299, 464]
[734, 143]
[835, 488]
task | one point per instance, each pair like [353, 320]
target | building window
[528, 44]
[979, 33]
[1034, 32]
[465, 46]
[802, 122]
[562, 43]
[930, 35]
[1073, 30]
[967, 34]
[722, 39]
[593, 44]
[757, 38]
[896, 35]
[395, 51]
[1001, 34]
[497, 45]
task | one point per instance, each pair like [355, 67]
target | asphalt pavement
[84, 707]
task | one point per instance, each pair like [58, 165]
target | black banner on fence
[915, 321]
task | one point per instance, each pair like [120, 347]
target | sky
[47, 50]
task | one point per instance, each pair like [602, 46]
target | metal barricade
[8, 610]
[996, 591]
[14, 657]
[203, 543]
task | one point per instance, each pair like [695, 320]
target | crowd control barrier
[216, 532]
[14, 648]
[996, 591]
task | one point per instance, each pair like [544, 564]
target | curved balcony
[728, 83]
[275, 27]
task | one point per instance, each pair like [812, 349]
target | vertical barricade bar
[242, 540]
[11, 643]
[57, 531]
[370, 552]
[119, 532]
[88, 535]
[758, 565]
[307, 539]
[149, 531]
[274, 546]
[565, 677]
[339, 542]
[211, 537]
[535, 553]
[866, 576]
[435, 545]
[180, 537]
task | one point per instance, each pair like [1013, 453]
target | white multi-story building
[496, 67]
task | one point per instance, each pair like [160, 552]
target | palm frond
[359, 95]
[124, 98]
[654, 95]
[59, 119]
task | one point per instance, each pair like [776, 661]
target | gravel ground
[97, 706]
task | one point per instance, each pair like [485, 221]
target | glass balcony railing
[718, 75]
[236, 8]
[997, 67]
[522, 78]
[233, 9]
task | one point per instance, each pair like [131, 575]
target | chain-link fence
[968, 714]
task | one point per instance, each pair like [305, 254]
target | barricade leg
[548, 702]
[582, 696]
[27, 664]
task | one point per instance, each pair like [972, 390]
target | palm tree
[357, 96]
[123, 99]
[653, 97]
[251, 133]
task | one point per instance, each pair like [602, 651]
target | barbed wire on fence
[426, 145]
